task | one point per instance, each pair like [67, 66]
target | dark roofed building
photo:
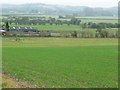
[23, 29]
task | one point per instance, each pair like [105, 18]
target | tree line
[41, 21]
[54, 21]
[100, 25]
[100, 33]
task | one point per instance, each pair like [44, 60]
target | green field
[62, 62]
[53, 27]
[64, 28]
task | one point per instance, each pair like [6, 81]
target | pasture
[53, 27]
[62, 62]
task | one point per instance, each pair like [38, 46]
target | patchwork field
[62, 62]
[101, 19]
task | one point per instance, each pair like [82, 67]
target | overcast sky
[91, 3]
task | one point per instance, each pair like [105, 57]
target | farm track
[12, 82]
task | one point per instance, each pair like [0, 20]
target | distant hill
[58, 10]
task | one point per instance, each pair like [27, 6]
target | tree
[74, 34]
[7, 26]
[75, 21]
[102, 33]
[84, 25]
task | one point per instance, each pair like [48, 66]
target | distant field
[62, 62]
[64, 27]
[53, 27]
[99, 21]
[96, 19]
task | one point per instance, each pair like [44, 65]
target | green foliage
[7, 26]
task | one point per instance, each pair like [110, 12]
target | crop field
[101, 19]
[62, 62]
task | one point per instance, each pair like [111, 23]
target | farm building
[23, 29]
[2, 32]
[29, 31]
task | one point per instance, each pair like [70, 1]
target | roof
[25, 29]
[16, 27]
[2, 31]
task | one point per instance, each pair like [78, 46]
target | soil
[12, 82]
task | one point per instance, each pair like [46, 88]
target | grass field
[62, 62]
[52, 27]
